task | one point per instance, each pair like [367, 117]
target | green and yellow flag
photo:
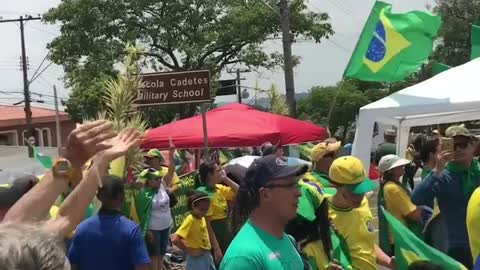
[392, 46]
[475, 41]
[409, 248]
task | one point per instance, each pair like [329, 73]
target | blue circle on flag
[377, 48]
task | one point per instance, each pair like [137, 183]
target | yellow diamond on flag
[386, 43]
[410, 256]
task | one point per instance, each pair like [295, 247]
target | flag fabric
[475, 41]
[392, 46]
[473, 225]
[141, 208]
[438, 68]
[409, 248]
[46, 161]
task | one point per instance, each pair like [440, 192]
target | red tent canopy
[234, 125]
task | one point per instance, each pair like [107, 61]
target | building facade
[13, 126]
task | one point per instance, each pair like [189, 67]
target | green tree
[176, 34]
[453, 46]
[348, 100]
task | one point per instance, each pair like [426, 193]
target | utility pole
[57, 121]
[239, 90]
[28, 112]
[287, 57]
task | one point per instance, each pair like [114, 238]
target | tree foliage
[349, 99]
[176, 34]
[453, 46]
[120, 94]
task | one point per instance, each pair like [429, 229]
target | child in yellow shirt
[192, 236]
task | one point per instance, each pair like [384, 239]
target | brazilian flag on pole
[392, 46]
[409, 248]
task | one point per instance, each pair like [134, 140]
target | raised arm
[168, 178]
[72, 211]
[82, 144]
[229, 182]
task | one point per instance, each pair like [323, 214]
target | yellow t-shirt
[356, 227]
[473, 223]
[194, 232]
[219, 199]
[316, 253]
[397, 202]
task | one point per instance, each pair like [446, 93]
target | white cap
[389, 162]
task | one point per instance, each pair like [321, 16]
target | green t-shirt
[255, 249]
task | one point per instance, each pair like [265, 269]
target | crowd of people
[276, 217]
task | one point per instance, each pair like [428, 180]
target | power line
[42, 30]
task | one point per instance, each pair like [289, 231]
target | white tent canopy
[451, 96]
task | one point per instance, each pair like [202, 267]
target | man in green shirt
[268, 199]
[323, 154]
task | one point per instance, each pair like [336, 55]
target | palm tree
[119, 98]
[278, 103]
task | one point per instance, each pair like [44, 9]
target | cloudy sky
[321, 64]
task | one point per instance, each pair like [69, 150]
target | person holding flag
[351, 215]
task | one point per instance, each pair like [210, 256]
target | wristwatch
[62, 167]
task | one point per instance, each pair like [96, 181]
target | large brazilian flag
[392, 46]
[409, 248]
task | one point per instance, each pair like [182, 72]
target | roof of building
[15, 115]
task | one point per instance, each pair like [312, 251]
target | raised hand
[442, 159]
[87, 140]
[120, 144]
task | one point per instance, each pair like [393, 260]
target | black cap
[10, 195]
[269, 168]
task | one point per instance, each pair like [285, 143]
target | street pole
[57, 121]
[287, 56]
[206, 152]
[26, 93]
[239, 91]
[238, 73]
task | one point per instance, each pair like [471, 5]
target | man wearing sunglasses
[267, 199]
[323, 154]
[455, 176]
